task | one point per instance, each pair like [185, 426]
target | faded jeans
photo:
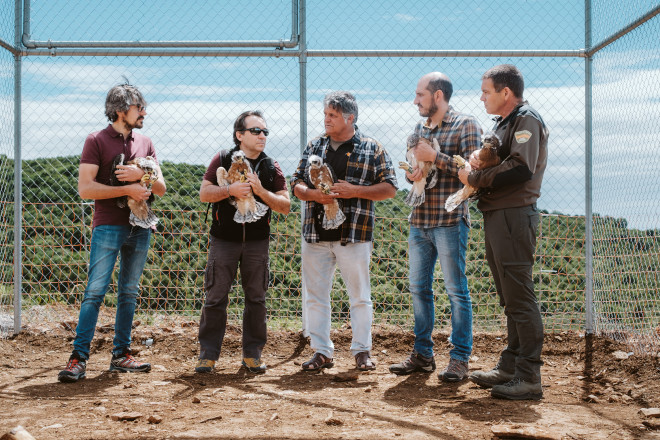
[131, 243]
[318, 268]
[425, 247]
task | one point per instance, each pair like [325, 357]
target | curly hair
[120, 98]
[344, 102]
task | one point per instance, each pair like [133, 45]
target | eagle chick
[429, 171]
[487, 156]
[141, 213]
[322, 177]
[248, 209]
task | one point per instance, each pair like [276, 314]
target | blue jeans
[108, 241]
[425, 246]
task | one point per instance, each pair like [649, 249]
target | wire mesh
[193, 102]
[6, 177]
[626, 93]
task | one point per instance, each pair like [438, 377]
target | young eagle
[487, 156]
[321, 176]
[248, 210]
[141, 213]
[429, 172]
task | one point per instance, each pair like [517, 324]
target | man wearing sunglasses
[364, 174]
[244, 244]
[112, 234]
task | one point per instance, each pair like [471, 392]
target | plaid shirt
[458, 134]
[368, 164]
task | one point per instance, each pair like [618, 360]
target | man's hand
[345, 190]
[137, 192]
[240, 190]
[415, 175]
[255, 183]
[128, 173]
[475, 163]
[424, 151]
[464, 172]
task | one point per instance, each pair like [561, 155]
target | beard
[139, 123]
[433, 108]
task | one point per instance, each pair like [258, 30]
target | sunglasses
[257, 131]
[140, 108]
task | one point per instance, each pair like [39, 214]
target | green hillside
[56, 235]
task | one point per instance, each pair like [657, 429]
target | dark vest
[223, 225]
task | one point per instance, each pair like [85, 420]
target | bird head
[315, 161]
[238, 157]
[412, 141]
[491, 140]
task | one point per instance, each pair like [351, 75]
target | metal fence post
[588, 164]
[18, 195]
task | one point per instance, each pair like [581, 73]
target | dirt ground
[591, 390]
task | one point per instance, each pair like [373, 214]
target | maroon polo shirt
[100, 149]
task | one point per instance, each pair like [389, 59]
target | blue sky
[193, 101]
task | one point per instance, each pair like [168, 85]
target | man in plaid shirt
[438, 234]
[364, 173]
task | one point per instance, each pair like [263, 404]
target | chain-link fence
[284, 53]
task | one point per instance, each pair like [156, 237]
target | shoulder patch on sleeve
[522, 136]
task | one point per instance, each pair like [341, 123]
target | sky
[194, 100]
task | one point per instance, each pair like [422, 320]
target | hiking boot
[518, 389]
[488, 379]
[204, 366]
[127, 363]
[415, 362]
[254, 365]
[456, 371]
[75, 369]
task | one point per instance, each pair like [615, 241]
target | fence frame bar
[18, 175]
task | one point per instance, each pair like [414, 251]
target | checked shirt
[368, 164]
[458, 134]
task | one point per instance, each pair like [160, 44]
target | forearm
[98, 191]
[303, 192]
[158, 188]
[278, 202]
[379, 191]
[210, 193]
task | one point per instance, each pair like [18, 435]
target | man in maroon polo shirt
[112, 234]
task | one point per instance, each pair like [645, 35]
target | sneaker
[254, 365]
[518, 389]
[415, 362]
[204, 366]
[127, 363]
[75, 370]
[488, 379]
[456, 371]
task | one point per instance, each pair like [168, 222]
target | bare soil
[589, 393]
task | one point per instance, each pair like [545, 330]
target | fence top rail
[211, 52]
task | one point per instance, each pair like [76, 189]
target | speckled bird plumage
[248, 209]
[141, 213]
[321, 176]
[429, 178]
[487, 156]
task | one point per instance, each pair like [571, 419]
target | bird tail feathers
[333, 223]
[251, 216]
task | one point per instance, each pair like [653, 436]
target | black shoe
[518, 389]
[74, 371]
[488, 379]
[415, 362]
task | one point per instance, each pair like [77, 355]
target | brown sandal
[317, 362]
[363, 361]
